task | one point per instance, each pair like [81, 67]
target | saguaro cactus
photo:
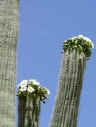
[8, 42]
[76, 50]
[29, 103]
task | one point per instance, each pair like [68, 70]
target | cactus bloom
[30, 89]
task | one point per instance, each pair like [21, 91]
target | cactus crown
[32, 88]
[80, 43]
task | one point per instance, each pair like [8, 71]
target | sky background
[44, 24]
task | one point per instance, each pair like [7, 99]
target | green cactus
[68, 95]
[30, 96]
[8, 42]
[28, 111]
[67, 101]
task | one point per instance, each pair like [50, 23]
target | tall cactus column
[70, 82]
[8, 42]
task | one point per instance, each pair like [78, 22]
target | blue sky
[43, 27]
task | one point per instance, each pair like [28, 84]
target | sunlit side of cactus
[70, 83]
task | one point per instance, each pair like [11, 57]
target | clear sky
[44, 24]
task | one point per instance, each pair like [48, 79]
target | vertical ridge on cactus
[28, 111]
[8, 42]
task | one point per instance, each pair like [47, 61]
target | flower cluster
[32, 88]
[82, 43]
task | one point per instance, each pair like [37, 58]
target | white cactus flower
[80, 36]
[23, 84]
[30, 89]
[35, 82]
[23, 89]
[74, 37]
[85, 38]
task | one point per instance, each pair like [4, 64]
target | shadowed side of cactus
[70, 83]
[8, 42]
[28, 111]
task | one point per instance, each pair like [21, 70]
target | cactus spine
[70, 85]
[8, 42]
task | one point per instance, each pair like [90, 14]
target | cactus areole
[67, 101]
